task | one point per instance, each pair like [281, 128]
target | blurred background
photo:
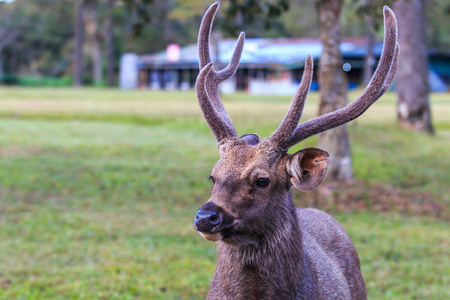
[105, 155]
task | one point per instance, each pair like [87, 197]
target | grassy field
[98, 189]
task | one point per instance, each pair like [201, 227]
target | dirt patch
[360, 196]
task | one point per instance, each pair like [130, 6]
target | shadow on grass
[360, 196]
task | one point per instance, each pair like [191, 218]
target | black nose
[206, 220]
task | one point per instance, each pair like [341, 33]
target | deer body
[281, 252]
[267, 248]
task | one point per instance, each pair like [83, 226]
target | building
[267, 66]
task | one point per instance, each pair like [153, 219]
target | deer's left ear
[307, 168]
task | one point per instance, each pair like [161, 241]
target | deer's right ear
[307, 168]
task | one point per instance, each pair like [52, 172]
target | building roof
[281, 52]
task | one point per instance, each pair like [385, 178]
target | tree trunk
[97, 60]
[1, 63]
[9, 32]
[169, 36]
[369, 60]
[96, 37]
[109, 36]
[79, 37]
[413, 109]
[333, 90]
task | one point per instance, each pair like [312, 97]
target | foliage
[438, 27]
[45, 29]
[139, 14]
[98, 189]
[43, 35]
[37, 81]
[240, 12]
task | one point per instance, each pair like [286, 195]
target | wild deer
[267, 248]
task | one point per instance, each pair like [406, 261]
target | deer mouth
[213, 237]
[218, 235]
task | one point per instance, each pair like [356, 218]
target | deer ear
[251, 138]
[307, 168]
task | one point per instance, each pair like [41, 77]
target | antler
[289, 133]
[208, 81]
[380, 82]
[281, 136]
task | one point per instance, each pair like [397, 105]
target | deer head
[253, 177]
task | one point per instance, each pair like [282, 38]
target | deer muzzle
[211, 221]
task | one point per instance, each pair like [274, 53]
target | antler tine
[204, 33]
[233, 65]
[281, 136]
[203, 46]
[382, 78]
[392, 71]
[216, 77]
[220, 130]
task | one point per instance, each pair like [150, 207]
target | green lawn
[98, 189]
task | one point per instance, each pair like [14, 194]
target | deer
[266, 247]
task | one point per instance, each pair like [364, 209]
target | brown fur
[267, 248]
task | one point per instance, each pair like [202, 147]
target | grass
[98, 189]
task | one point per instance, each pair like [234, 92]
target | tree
[333, 89]
[413, 109]
[99, 18]
[79, 37]
[41, 34]
[8, 32]
[94, 31]
[109, 37]
[252, 11]
[438, 26]
[369, 59]
[370, 12]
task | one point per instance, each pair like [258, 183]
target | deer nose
[206, 221]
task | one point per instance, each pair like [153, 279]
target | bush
[37, 81]
[10, 80]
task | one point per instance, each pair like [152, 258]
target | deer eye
[263, 182]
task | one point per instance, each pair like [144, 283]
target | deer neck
[269, 269]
